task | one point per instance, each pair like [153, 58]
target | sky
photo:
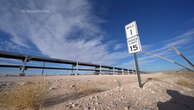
[93, 30]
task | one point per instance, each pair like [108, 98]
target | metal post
[122, 72]
[181, 54]
[128, 72]
[43, 69]
[77, 68]
[23, 68]
[167, 59]
[72, 72]
[113, 70]
[100, 69]
[137, 69]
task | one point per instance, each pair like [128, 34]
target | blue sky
[93, 30]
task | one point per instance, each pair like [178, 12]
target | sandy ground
[115, 92]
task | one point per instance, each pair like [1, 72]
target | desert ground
[161, 91]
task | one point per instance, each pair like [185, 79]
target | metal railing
[98, 69]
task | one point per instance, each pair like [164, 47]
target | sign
[132, 36]
[134, 45]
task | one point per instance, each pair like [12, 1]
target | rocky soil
[161, 91]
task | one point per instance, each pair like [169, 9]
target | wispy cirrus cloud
[57, 28]
[183, 41]
[118, 46]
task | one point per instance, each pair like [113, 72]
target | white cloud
[118, 46]
[65, 29]
[182, 41]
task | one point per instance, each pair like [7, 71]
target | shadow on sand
[63, 98]
[178, 101]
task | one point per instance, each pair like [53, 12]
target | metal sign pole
[134, 45]
[137, 69]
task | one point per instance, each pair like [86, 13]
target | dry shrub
[28, 95]
[88, 91]
[188, 75]
[185, 84]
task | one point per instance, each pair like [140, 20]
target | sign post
[134, 45]
[137, 69]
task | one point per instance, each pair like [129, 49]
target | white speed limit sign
[132, 36]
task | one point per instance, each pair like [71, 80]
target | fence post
[23, 68]
[77, 68]
[100, 69]
[72, 67]
[113, 70]
[43, 69]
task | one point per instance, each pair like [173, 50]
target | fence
[98, 69]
